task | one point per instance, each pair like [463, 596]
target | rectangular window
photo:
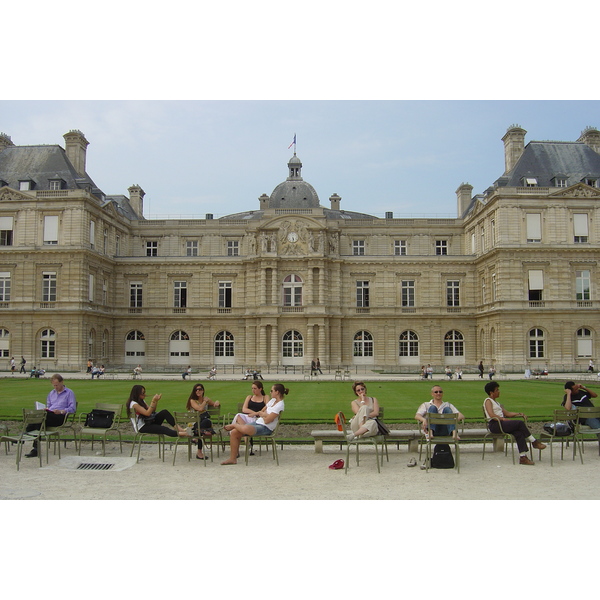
[358, 247]
[152, 248]
[105, 242]
[534, 227]
[24, 185]
[362, 294]
[408, 293]
[180, 294]
[225, 289]
[452, 293]
[580, 228]
[536, 285]
[582, 285]
[48, 287]
[591, 181]
[55, 184]
[105, 295]
[473, 243]
[191, 248]
[6, 231]
[530, 181]
[91, 285]
[561, 182]
[118, 245]
[51, 230]
[494, 290]
[441, 247]
[399, 247]
[92, 234]
[135, 295]
[4, 287]
[233, 248]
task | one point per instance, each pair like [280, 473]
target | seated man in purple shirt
[59, 403]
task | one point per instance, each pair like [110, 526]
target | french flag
[293, 143]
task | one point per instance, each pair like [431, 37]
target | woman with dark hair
[198, 402]
[253, 404]
[145, 419]
[264, 425]
[365, 410]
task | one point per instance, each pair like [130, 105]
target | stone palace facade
[513, 280]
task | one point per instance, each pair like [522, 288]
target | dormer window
[25, 185]
[591, 181]
[560, 181]
[530, 181]
[3, 183]
[56, 184]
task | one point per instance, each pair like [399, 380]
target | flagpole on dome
[293, 144]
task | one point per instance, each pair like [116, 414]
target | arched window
[224, 344]
[409, 344]
[292, 291]
[135, 346]
[4, 343]
[179, 347]
[454, 343]
[293, 344]
[584, 342]
[363, 344]
[536, 343]
[48, 343]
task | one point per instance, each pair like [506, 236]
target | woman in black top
[253, 404]
[199, 402]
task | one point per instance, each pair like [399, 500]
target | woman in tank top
[253, 404]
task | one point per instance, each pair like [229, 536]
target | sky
[194, 157]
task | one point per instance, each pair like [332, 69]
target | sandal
[412, 462]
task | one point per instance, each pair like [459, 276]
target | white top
[273, 406]
[424, 408]
[496, 407]
[136, 419]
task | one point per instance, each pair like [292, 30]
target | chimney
[263, 201]
[75, 147]
[136, 199]
[591, 137]
[335, 201]
[463, 197]
[514, 143]
[5, 141]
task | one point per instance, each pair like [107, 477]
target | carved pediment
[579, 190]
[8, 194]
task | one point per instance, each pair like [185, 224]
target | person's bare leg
[237, 432]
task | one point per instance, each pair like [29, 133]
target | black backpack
[442, 457]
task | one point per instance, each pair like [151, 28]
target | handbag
[558, 429]
[383, 429]
[100, 419]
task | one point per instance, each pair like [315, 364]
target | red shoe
[338, 464]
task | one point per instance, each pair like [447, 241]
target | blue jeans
[441, 430]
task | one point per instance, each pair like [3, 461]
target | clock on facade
[292, 236]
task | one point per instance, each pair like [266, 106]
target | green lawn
[307, 402]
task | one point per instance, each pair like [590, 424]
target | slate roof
[546, 160]
[41, 164]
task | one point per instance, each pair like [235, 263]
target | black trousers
[52, 420]
[516, 428]
[157, 424]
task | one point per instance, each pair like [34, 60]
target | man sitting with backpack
[442, 455]
[437, 405]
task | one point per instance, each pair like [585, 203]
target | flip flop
[412, 462]
[338, 464]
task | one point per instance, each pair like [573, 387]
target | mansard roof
[547, 160]
[42, 164]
